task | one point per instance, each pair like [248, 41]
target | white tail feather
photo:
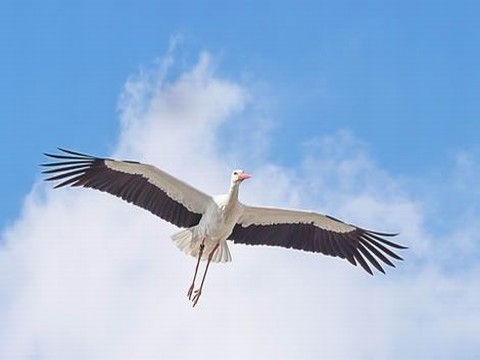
[185, 241]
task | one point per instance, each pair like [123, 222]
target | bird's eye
[235, 173]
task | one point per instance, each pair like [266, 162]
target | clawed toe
[196, 297]
[189, 293]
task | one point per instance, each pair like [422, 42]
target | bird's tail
[187, 243]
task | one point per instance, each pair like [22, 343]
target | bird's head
[239, 175]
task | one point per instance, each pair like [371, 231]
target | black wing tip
[381, 237]
[67, 158]
[383, 233]
[67, 165]
[371, 273]
[71, 152]
[68, 154]
[375, 239]
[380, 270]
[53, 156]
[368, 270]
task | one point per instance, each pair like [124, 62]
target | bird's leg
[202, 246]
[199, 291]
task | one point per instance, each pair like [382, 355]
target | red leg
[199, 291]
[202, 246]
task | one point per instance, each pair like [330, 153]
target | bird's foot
[190, 291]
[196, 296]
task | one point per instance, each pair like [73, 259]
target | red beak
[244, 176]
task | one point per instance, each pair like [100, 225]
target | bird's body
[215, 226]
[208, 222]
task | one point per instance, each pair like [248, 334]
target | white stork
[209, 222]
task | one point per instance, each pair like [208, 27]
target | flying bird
[209, 221]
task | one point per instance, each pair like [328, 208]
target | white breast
[219, 219]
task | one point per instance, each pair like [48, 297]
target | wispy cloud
[86, 276]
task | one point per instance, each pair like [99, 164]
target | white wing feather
[194, 200]
[253, 215]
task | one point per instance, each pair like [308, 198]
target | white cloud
[86, 276]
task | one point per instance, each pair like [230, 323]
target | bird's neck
[232, 198]
[233, 193]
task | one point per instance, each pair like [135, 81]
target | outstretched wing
[314, 232]
[144, 185]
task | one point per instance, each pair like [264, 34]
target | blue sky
[357, 104]
[402, 75]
